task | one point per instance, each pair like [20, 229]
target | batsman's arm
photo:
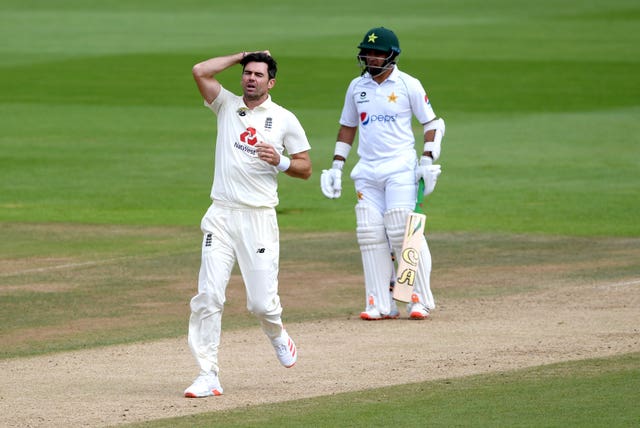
[433, 133]
[428, 138]
[346, 134]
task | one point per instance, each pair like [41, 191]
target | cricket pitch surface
[144, 381]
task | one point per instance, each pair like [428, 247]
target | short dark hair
[272, 66]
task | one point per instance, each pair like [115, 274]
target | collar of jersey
[265, 105]
[392, 77]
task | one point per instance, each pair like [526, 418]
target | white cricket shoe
[205, 385]
[417, 311]
[285, 350]
[371, 313]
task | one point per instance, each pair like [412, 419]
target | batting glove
[429, 173]
[331, 180]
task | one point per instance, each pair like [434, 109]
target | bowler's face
[255, 80]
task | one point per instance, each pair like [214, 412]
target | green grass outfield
[540, 397]
[102, 128]
[101, 121]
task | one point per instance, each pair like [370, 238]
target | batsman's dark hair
[272, 66]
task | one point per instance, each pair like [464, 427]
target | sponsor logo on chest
[383, 110]
[366, 118]
[250, 136]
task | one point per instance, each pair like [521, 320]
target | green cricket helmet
[381, 39]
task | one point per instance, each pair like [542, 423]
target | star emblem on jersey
[392, 98]
[372, 37]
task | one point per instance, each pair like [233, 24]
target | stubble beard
[254, 96]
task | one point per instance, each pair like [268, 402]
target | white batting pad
[423, 278]
[376, 258]
[395, 221]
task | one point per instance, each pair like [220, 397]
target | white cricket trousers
[386, 191]
[249, 236]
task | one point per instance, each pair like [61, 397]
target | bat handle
[420, 196]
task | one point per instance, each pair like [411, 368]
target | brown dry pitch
[504, 303]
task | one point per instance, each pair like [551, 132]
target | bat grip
[420, 197]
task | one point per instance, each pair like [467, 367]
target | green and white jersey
[384, 113]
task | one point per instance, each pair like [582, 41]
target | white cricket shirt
[240, 177]
[384, 113]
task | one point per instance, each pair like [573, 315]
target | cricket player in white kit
[380, 105]
[241, 224]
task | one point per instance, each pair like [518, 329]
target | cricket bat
[409, 258]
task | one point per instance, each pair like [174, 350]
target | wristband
[434, 147]
[426, 160]
[284, 164]
[342, 149]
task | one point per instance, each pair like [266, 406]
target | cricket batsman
[379, 105]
